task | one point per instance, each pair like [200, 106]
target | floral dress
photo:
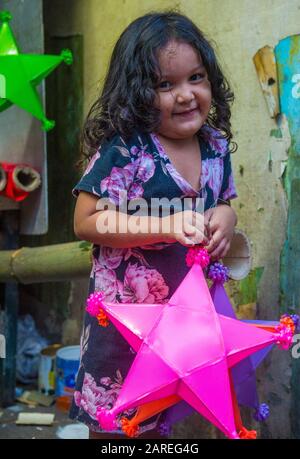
[148, 274]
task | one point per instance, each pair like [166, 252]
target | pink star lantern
[183, 348]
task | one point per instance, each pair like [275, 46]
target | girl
[161, 128]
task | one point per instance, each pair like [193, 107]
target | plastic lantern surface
[21, 73]
[243, 374]
[184, 349]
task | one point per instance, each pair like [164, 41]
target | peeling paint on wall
[280, 142]
[288, 64]
[284, 163]
[264, 61]
[280, 138]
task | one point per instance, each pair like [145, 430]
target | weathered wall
[239, 28]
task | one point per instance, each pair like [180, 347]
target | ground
[60, 427]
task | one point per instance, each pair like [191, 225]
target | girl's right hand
[187, 227]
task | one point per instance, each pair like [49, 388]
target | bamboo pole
[52, 263]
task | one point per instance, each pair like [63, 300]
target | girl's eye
[164, 85]
[197, 76]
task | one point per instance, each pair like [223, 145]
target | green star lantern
[21, 73]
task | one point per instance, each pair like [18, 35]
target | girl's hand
[221, 221]
[187, 227]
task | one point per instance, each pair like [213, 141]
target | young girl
[161, 128]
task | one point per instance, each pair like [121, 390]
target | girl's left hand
[221, 221]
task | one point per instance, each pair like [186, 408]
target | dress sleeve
[228, 190]
[109, 171]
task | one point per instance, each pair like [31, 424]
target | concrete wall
[238, 28]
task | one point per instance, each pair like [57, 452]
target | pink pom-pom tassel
[94, 303]
[197, 255]
[106, 419]
[284, 336]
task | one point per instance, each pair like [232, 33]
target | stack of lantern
[192, 354]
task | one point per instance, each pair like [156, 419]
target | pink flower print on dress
[143, 285]
[212, 175]
[159, 147]
[180, 181]
[136, 191]
[136, 151]
[91, 163]
[146, 167]
[230, 193]
[106, 381]
[215, 139]
[205, 174]
[106, 280]
[93, 396]
[120, 179]
[110, 257]
[113, 388]
[216, 176]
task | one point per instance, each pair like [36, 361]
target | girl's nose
[184, 95]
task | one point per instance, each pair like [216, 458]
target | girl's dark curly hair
[126, 103]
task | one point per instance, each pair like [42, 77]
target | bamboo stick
[52, 263]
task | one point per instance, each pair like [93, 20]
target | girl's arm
[90, 223]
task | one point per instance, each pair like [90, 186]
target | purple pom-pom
[165, 429]
[262, 412]
[218, 272]
[106, 418]
[296, 319]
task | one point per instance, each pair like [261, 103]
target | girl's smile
[184, 92]
[187, 113]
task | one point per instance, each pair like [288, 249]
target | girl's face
[184, 92]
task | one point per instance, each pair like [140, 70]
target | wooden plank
[35, 419]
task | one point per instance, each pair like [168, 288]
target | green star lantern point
[21, 73]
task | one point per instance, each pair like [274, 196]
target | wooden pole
[58, 262]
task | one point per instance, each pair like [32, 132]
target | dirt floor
[62, 427]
